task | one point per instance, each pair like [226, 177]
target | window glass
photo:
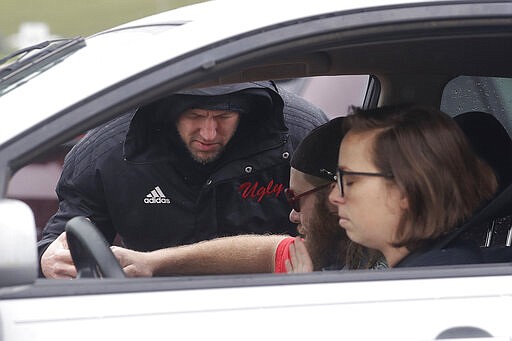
[35, 184]
[487, 94]
[333, 94]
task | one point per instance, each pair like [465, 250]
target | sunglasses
[294, 200]
[340, 173]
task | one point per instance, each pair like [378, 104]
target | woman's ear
[404, 202]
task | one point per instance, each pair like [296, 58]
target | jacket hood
[152, 134]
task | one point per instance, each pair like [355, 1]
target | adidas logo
[156, 196]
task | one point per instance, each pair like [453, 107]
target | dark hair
[432, 164]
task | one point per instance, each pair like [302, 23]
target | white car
[454, 55]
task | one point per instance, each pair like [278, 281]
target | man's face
[207, 132]
[318, 224]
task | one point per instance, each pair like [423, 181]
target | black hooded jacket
[133, 176]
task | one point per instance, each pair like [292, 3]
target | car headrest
[490, 141]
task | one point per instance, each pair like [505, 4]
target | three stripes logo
[156, 196]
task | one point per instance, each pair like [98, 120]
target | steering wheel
[90, 251]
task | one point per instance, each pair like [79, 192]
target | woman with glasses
[407, 177]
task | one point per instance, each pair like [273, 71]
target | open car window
[35, 183]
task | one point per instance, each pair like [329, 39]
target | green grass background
[78, 17]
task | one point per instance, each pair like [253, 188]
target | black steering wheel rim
[90, 251]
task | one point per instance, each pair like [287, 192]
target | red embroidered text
[250, 190]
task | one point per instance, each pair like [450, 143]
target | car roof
[257, 13]
[115, 55]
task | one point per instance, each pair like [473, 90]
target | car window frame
[188, 70]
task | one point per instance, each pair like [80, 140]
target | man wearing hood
[193, 166]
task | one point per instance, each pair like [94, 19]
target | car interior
[449, 66]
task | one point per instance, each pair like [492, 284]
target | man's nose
[209, 128]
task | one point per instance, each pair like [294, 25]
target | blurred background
[27, 22]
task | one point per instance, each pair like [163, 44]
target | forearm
[228, 255]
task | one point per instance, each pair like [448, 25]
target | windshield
[27, 63]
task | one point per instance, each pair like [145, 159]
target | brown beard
[325, 241]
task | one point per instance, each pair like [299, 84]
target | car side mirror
[18, 251]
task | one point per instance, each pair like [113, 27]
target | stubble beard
[206, 159]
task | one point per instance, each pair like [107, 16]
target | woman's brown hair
[432, 164]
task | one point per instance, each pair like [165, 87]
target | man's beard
[207, 159]
[325, 241]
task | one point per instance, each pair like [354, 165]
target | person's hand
[299, 261]
[134, 263]
[56, 261]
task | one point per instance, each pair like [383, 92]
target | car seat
[493, 144]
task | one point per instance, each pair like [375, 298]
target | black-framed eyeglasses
[294, 200]
[340, 173]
